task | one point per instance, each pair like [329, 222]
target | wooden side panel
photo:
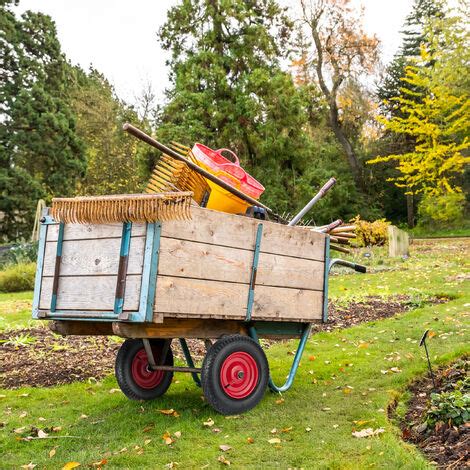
[211, 262]
[90, 293]
[195, 298]
[93, 257]
[235, 231]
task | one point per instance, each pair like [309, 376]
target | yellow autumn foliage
[370, 233]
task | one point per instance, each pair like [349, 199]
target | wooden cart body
[214, 272]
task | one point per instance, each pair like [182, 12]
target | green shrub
[371, 233]
[451, 407]
[19, 253]
[441, 211]
[18, 277]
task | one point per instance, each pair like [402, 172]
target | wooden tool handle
[129, 128]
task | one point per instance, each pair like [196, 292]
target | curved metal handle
[357, 267]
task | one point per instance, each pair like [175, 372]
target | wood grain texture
[90, 293]
[236, 231]
[93, 257]
[189, 298]
[93, 232]
[203, 261]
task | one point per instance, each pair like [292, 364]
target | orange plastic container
[230, 172]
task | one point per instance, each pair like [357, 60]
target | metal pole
[326, 187]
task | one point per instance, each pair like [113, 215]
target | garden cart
[227, 279]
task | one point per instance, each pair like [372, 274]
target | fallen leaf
[431, 334]
[42, 434]
[215, 430]
[29, 466]
[311, 358]
[83, 416]
[115, 390]
[250, 440]
[274, 440]
[56, 428]
[3, 396]
[23, 414]
[19, 430]
[224, 447]
[308, 429]
[170, 412]
[209, 423]
[177, 434]
[289, 429]
[167, 438]
[100, 463]
[326, 409]
[280, 401]
[347, 391]
[273, 431]
[172, 465]
[223, 460]
[51, 453]
[41, 418]
[148, 428]
[24, 395]
[147, 442]
[363, 346]
[70, 465]
[368, 432]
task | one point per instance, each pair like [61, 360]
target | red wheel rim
[239, 375]
[143, 376]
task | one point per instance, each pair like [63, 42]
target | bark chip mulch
[446, 446]
[39, 358]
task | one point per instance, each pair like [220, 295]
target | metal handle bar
[357, 267]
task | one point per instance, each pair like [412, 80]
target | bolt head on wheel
[234, 375]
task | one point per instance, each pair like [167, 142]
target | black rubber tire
[123, 370]
[211, 371]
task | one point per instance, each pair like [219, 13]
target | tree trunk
[346, 144]
[410, 210]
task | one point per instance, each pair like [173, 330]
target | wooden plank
[179, 328]
[196, 297]
[89, 328]
[193, 298]
[93, 232]
[237, 231]
[287, 304]
[203, 261]
[90, 293]
[93, 257]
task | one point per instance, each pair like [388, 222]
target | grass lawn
[345, 383]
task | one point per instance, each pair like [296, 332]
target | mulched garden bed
[39, 358]
[447, 446]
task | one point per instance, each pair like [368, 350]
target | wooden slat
[93, 232]
[189, 298]
[236, 231]
[179, 328]
[90, 293]
[93, 257]
[212, 262]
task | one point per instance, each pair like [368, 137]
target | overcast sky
[119, 37]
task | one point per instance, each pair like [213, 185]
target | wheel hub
[239, 375]
[142, 374]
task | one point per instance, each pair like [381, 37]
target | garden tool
[170, 174]
[123, 208]
[207, 175]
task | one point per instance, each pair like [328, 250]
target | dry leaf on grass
[223, 460]
[209, 423]
[170, 412]
[52, 453]
[250, 440]
[70, 465]
[224, 447]
[29, 466]
[42, 434]
[274, 440]
[368, 432]
[167, 438]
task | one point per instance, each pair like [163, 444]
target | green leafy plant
[21, 340]
[19, 253]
[450, 407]
[18, 277]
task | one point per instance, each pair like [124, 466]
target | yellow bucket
[221, 199]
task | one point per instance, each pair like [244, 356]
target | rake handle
[130, 129]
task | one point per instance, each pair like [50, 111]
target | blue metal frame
[60, 244]
[324, 317]
[124, 252]
[295, 364]
[189, 360]
[148, 284]
[254, 270]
